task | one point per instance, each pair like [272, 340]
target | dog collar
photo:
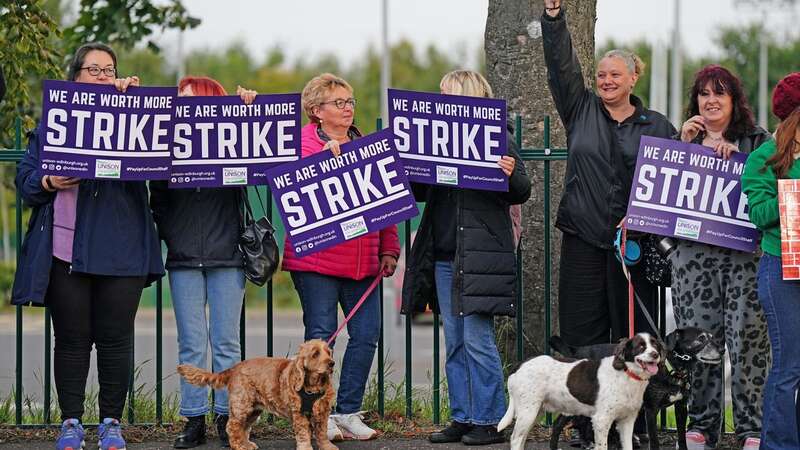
[633, 375]
[307, 400]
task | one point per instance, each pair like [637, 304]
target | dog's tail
[202, 377]
[511, 412]
[558, 344]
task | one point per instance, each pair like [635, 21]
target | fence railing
[545, 154]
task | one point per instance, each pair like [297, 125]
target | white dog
[609, 390]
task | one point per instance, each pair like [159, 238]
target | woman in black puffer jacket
[463, 263]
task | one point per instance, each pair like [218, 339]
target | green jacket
[761, 188]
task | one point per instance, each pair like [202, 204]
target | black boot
[194, 433]
[221, 421]
[452, 433]
[483, 435]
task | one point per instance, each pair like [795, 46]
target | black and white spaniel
[608, 390]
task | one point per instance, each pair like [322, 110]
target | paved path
[394, 444]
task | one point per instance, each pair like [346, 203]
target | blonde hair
[465, 82]
[315, 91]
[631, 60]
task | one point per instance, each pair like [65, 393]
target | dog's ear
[298, 375]
[619, 355]
[673, 338]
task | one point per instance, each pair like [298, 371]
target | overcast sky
[346, 27]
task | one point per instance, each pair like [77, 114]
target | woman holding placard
[90, 249]
[463, 261]
[341, 274]
[201, 228]
[714, 288]
[776, 160]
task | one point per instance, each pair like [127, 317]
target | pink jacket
[355, 259]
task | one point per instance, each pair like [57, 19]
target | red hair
[202, 86]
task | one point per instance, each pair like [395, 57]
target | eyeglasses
[340, 103]
[95, 71]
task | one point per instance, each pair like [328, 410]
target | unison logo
[234, 175]
[354, 227]
[687, 228]
[107, 168]
[447, 175]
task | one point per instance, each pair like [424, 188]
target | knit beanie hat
[786, 96]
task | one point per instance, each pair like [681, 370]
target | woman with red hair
[773, 161]
[201, 228]
[714, 287]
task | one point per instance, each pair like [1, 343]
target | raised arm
[564, 74]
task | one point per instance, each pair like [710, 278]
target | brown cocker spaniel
[299, 389]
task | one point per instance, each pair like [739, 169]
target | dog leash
[358, 305]
[633, 294]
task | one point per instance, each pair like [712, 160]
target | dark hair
[723, 81]
[80, 56]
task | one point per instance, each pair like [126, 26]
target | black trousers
[87, 310]
[593, 295]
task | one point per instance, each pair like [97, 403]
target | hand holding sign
[122, 83]
[507, 164]
[52, 183]
[334, 146]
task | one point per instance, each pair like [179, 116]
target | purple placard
[221, 142]
[95, 131]
[450, 140]
[684, 190]
[325, 200]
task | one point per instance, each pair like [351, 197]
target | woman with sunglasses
[341, 274]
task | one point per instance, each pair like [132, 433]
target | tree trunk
[517, 72]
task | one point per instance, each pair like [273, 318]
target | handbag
[257, 244]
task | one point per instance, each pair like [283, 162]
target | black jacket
[601, 152]
[201, 227]
[114, 230]
[485, 265]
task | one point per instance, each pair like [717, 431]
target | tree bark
[517, 72]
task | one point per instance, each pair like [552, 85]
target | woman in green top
[774, 160]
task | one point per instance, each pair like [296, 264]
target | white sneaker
[334, 433]
[751, 443]
[353, 427]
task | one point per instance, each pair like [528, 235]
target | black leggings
[593, 295]
[86, 310]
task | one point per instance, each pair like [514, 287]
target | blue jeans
[320, 295]
[781, 302]
[474, 372]
[222, 290]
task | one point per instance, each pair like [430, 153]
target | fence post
[520, 306]
[18, 370]
[381, 361]
[547, 258]
[159, 351]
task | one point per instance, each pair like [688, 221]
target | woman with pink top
[341, 274]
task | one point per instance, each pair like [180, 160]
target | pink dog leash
[358, 305]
